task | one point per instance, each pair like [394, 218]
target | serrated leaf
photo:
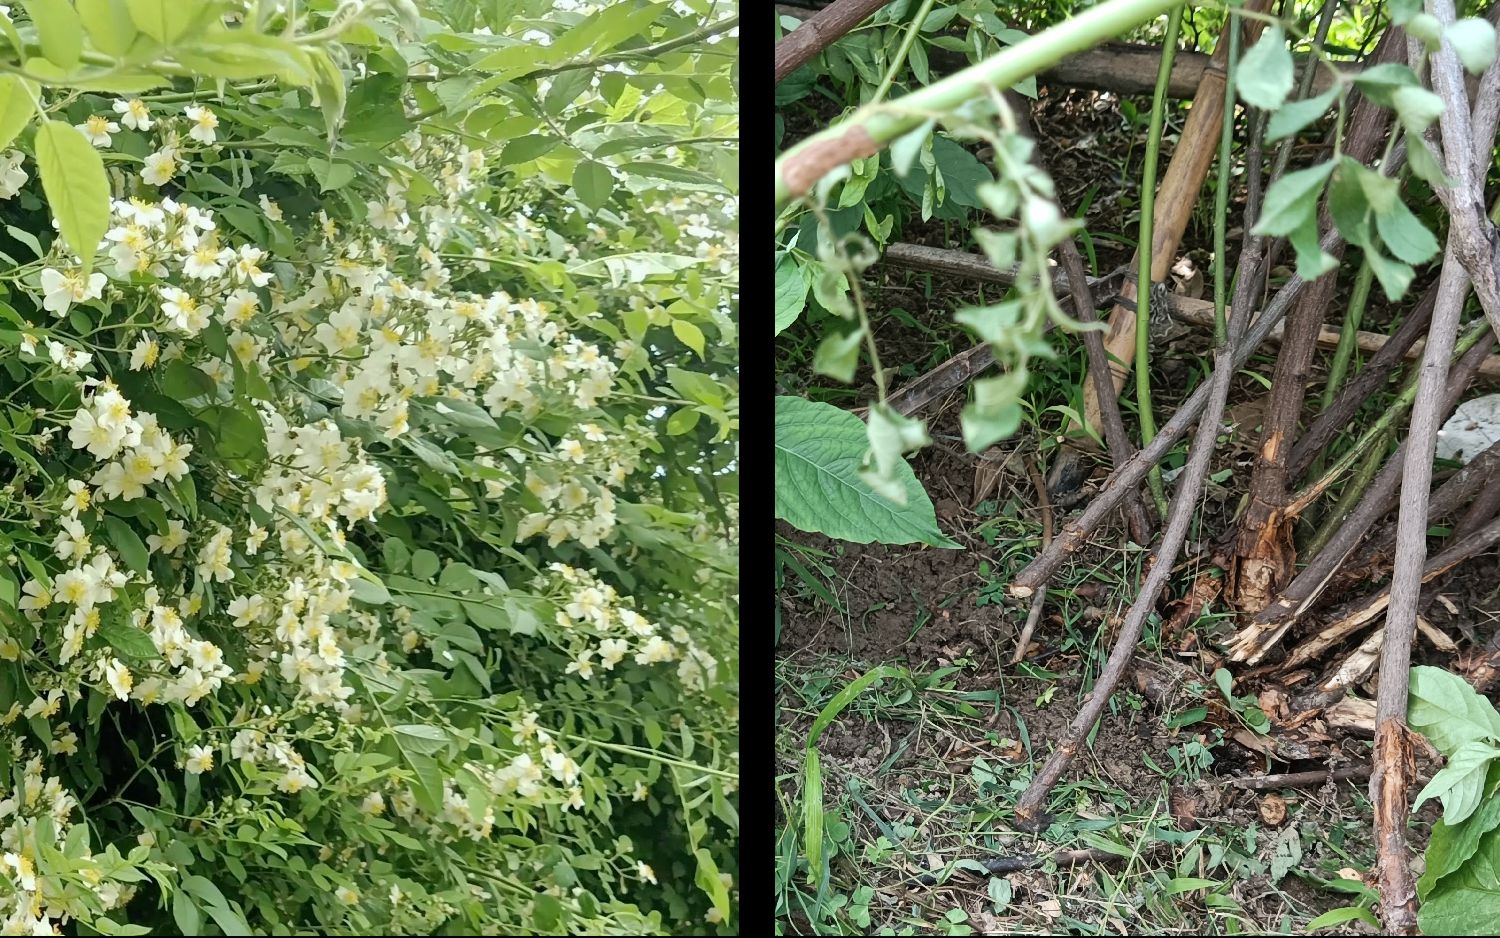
[1417, 107]
[689, 335]
[838, 355]
[593, 183]
[59, 29]
[76, 186]
[1290, 118]
[892, 435]
[818, 448]
[1424, 165]
[1379, 82]
[1264, 77]
[421, 738]
[906, 147]
[109, 25]
[791, 291]
[1405, 235]
[17, 105]
[1292, 199]
[1473, 39]
[164, 20]
[1312, 261]
[1394, 276]
[128, 640]
[127, 544]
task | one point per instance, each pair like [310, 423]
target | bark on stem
[820, 31]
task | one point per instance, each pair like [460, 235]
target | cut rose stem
[1120, 447]
[1030, 808]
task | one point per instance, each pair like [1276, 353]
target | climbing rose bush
[370, 407]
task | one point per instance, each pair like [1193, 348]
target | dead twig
[1001, 865]
[1299, 779]
[1120, 447]
[1034, 614]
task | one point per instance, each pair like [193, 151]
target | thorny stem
[901, 53]
[1144, 250]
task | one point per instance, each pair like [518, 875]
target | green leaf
[1460, 783]
[109, 25]
[127, 640]
[818, 489]
[1264, 77]
[1292, 199]
[1379, 82]
[682, 421]
[422, 738]
[164, 20]
[838, 355]
[892, 435]
[17, 105]
[1395, 277]
[1312, 261]
[906, 147]
[791, 291]
[128, 544]
[424, 564]
[1417, 107]
[1464, 904]
[1341, 915]
[1445, 709]
[1424, 165]
[1473, 40]
[593, 183]
[1451, 845]
[1405, 235]
[689, 335]
[707, 879]
[995, 412]
[331, 174]
[77, 188]
[1290, 118]
[963, 174]
[59, 29]
[183, 382]
[1403, 10]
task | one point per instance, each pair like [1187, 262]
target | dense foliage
[369, 427]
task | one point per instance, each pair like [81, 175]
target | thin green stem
[1395, 411]
[1349, 334]
[873, 127]
[1351, 494]
[1144, 252]
[1221, 190]
[906, 43]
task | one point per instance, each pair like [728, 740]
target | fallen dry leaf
[1273, 809]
